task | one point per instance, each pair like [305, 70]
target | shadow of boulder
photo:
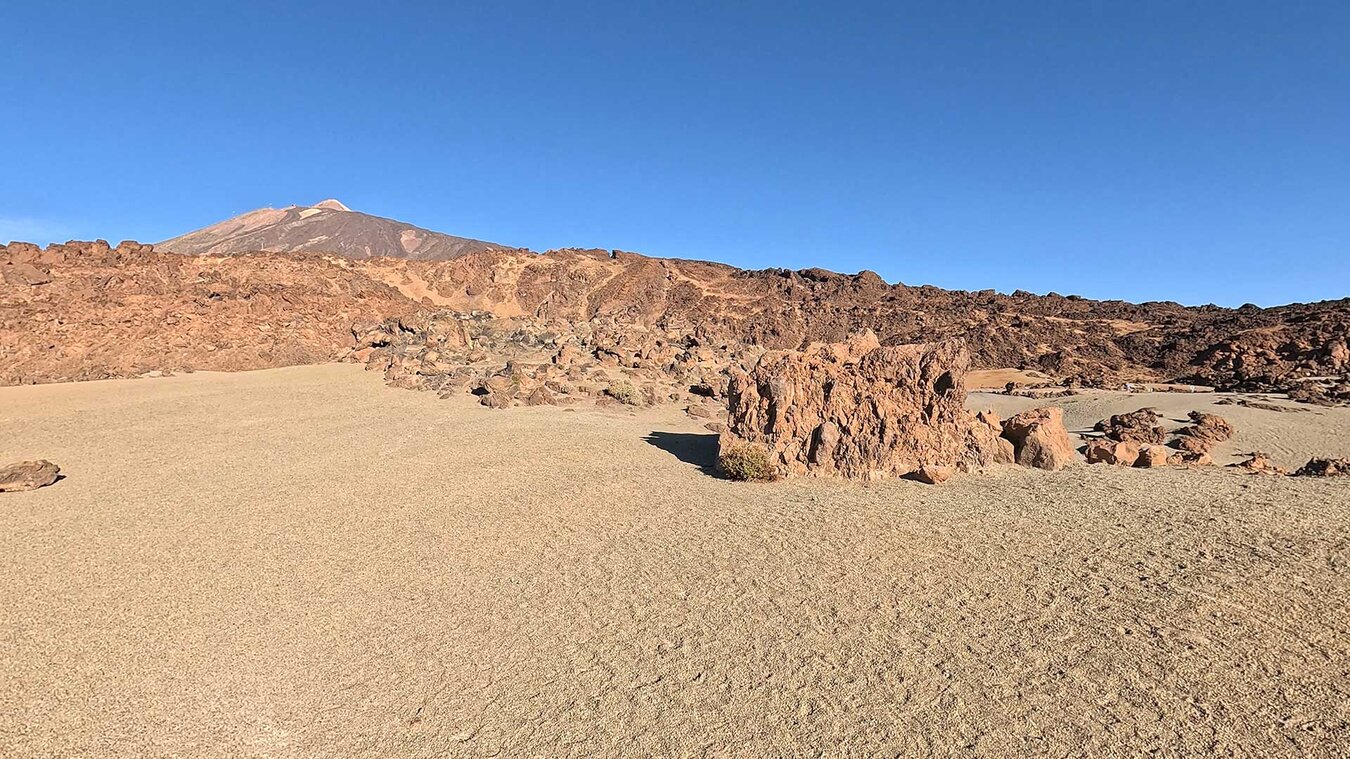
[699, 449]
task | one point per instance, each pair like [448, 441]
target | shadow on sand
[699, 449]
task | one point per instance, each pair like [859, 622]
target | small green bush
[746, 461]
[624, 392]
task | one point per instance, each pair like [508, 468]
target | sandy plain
[304, 562]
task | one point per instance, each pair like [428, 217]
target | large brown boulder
[1153, 457]
[28, 475]
[859, 410]
[1107, 451]
[1039, 438]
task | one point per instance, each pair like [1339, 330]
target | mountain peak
[295, 229]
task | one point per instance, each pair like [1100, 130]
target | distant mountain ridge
[328, 226]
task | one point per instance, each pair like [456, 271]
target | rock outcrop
[28, 475]
[1152, 457]
[1259, 463]
[88, 311]
[859, 410]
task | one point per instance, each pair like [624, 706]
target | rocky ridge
[88, 310]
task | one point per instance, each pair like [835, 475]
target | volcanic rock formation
[330, 227]
[859, 410]
[84, 311]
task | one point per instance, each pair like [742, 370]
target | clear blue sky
[1144, 150]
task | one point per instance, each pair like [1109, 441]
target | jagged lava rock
[1139, 426]
[1259, 463]
[1153, 457]
[1205, 432]
[859, 410]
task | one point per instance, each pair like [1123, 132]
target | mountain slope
[330, 227]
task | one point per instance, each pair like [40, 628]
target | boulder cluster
[1136, 439]
[861, 410]
[530, 362]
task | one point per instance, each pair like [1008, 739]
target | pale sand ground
[303, 562]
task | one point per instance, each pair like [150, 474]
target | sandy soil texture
[304, 562]
[1291, 436]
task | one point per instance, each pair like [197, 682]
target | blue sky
[1197, 152]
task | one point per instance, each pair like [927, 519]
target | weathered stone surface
[1117, 452]
[1152, 457]
[1039, 438]
[1205, 432]
[858, 410]
[28, 475]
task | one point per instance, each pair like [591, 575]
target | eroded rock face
[1039, 438]
[28, 475]
[524, 361]
[90, 311]
[859, 410]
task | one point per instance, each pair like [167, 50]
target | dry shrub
[746, 461]
[624, 392]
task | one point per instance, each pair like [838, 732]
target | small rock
[933, 475]
[28, 475]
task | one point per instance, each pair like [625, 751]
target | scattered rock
[1324, 468]
[1139, 426]
[1259, 463]
[1205, 432]
[28, 475]
[933, 475]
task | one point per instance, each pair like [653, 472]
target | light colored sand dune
[303, 562]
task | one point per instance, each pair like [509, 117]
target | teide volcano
[330, 227]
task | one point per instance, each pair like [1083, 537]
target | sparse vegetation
[746, 461]
[624, 392]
